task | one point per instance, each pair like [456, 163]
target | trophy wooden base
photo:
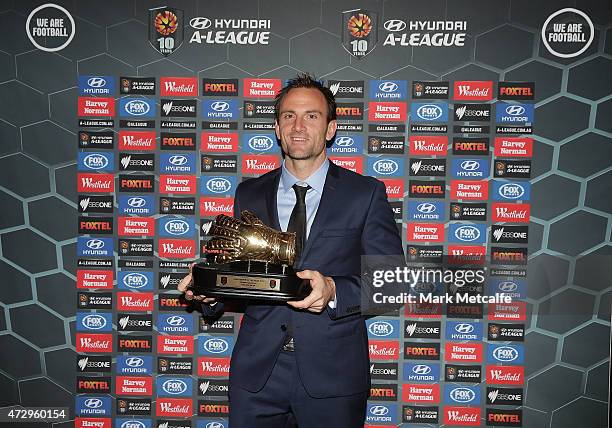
[249, 280]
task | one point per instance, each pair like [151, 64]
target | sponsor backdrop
[127, 125]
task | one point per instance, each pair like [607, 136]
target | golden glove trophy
[248, 260]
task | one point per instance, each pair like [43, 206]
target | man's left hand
[323, 291]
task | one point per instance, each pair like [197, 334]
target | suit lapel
[271, 192]
[325, 207]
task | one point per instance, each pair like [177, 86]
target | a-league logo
[359, 32]
[166, 30]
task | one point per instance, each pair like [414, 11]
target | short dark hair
[305, 80]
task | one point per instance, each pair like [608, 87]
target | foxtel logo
[94, 342]
[96, 183]
[211, 207]
[176, 248]
[141, 302]
[354, 163]
[137, 140]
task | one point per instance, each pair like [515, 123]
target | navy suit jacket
[354, 218]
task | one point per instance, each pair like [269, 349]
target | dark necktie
[297, 221]
[297, 224]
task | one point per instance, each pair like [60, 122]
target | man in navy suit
[306, 362]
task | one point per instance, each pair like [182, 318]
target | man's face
[302, 126]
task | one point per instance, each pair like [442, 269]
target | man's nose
[298, 123]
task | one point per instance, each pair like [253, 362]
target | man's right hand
[185, 285]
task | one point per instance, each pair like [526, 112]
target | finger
[307, 302]
[188, 295]
[306, 274]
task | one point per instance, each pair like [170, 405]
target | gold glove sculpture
[248, 238]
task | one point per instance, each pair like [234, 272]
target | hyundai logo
[137, 107]
[216, 346]
[470, 165]
[137, 202]
[135, 280]
[381, 328]
[96, 82]
[508, 286]
[93, 403]
[515, 110]
[379, 410]
[133, 424]
[421, 369]
[95, 244]
[94, 322]
[200, 23]
[429, 112]
[426, 208]
[464, 328]
[467, 233]
[505, 354]
[388, 87]
[219, 185]
[261, 143]
[95, 161]
[394, 25]
[462, 395]
[176, 320]
[220, 106]
[214, 425]
[174, 386]
[177, 160]
[385, 166]
[344, 141]
[134, 362]
[511, 191]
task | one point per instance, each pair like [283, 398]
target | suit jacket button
[284, 327]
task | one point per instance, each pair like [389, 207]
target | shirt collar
[316, 180]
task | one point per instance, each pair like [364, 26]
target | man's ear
[332, 126]
[277, 130]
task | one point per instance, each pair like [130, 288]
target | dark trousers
[284, 403]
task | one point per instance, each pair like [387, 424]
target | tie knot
[300, 192]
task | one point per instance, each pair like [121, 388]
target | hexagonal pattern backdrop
[570, 279]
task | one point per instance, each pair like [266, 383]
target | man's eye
[312, 116]
[287, 116]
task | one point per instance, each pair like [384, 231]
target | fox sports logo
[385, 167]
[137, 107]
